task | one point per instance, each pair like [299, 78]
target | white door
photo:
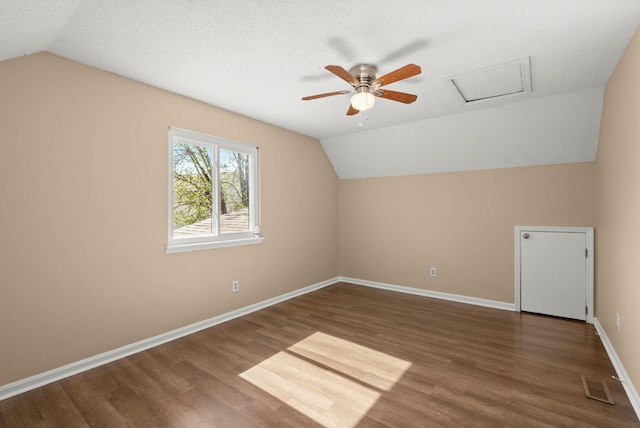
[553, 273]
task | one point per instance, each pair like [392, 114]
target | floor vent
[596, 389]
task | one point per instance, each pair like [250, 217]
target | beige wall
[83, 216]
[618, 211]
[393, 229]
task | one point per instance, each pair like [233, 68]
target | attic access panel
[508, 79]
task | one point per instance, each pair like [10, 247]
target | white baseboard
[41, 379]
[631, 391]
[435, 294]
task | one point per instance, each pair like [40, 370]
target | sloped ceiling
[259, 58]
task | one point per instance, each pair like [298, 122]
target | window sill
[183, 248]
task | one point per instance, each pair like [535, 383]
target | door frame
[588, 231]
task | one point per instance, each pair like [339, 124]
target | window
[213, 192]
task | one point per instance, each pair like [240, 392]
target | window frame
[215, 239]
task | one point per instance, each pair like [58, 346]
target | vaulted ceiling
[259, 58]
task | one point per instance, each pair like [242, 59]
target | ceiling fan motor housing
[365, 74]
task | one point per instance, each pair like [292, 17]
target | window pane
[192, 201]
[234, 191]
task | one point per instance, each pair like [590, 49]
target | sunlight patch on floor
[332, 381]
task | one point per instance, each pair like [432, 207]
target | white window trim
[177, 248]
[252, 236]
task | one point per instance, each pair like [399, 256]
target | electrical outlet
[432, 271]
[235, 286]
[618, 321]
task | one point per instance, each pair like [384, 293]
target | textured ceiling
[259, 58]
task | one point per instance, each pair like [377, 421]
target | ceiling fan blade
[352, 111]
[398, 96]
[343, 74]
[328, 94]
[405, 72]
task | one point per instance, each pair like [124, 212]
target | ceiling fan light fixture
[362, 77]
[363, 99]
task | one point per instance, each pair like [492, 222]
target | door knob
[525, 236]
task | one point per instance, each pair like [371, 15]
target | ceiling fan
[367, 87]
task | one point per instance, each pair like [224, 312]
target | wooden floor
[418, 362]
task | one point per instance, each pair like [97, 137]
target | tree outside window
[212, 187]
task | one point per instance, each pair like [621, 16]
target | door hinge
[586, 252]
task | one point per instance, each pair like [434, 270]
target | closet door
[553, 273]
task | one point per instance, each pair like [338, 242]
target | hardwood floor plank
[322, 395]
[138, 410]
[468, 366]
[21, 413]
[95, 409]
[56, 408]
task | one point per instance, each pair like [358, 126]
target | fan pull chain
[361, 124]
